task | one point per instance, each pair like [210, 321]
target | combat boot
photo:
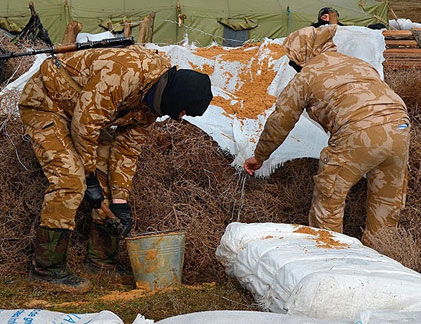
[49, 261]
[102, 254]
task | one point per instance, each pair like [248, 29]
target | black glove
[124, 214]
[93, 193]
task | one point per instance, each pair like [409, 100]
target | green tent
[204, 21]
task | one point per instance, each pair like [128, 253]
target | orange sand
[252, 97]
[323, 238]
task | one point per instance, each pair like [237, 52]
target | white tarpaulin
[299, 270]
[246, 82]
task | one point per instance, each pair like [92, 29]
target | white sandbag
[39, 316]
[243, 317]
[403, 24]
[249, 317]
[304, 271]
[140, 319]
[387, 317]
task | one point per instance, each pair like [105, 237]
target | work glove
[124, 214]
[93, 193]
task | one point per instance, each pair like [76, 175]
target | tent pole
[289, 19]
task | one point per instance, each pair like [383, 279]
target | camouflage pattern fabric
[380, 152]
[65, 125]
[50, 253]
[347, 97]
[102, 248]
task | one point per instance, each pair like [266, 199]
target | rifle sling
[65, 74]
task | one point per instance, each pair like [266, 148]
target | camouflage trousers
[380, 153]
[54, 149]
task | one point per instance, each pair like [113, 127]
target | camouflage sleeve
[98, 102]
[289, 107]
[123, 159]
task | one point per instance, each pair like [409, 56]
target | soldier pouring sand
[368, 125]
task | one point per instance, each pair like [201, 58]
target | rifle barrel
[111, 42]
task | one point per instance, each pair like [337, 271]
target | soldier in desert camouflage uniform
[68, 117]
[367, 122]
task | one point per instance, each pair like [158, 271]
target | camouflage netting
[185, 181]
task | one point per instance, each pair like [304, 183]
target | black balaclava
[179, 90]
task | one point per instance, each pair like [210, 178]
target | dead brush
[13, 68]
[399, 244]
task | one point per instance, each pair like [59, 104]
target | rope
[289, 20]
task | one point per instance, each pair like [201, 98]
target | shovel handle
[108, 212]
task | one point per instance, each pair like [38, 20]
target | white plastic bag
[243, 317]
[39, 316]
[304, 271]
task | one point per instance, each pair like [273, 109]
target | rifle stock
[111, 42]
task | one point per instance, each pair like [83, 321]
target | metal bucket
[157, 258]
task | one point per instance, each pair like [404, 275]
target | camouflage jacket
[114, 82]
[343, 94]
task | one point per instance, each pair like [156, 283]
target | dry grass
[399, 244]
[11, 69]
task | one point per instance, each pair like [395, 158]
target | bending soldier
[367, 122]
[87, 125]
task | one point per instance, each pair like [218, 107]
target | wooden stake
[73, 28]
[150, 26]
[143, 29]
[127, 29]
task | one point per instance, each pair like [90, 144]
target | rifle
[111, 42]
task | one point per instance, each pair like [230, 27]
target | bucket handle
[158, 232]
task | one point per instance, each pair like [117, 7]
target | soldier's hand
[252, 164]
[93, 193]
[124, 214]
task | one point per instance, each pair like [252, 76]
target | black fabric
[124, 214]
[320, 23]
[149, 97]
[296, 67]
[93, 193]
[377, 26]
[186, 90]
